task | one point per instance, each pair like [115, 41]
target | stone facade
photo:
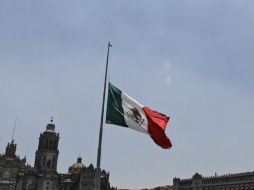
[10, 167]
[240, 181]
[15, 174]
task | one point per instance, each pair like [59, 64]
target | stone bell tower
[46, 158]
[46, 155]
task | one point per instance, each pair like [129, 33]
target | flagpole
[97, 181]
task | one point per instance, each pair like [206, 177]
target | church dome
[77, 166]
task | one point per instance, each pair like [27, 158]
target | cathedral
[16, 174]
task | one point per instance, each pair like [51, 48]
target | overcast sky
[192, 60]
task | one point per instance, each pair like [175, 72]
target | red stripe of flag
[157, 123]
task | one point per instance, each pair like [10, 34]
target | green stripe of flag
[115, 112]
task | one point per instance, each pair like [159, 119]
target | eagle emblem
[134, 114]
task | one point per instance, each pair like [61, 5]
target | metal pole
[97, 181]
[12, 136]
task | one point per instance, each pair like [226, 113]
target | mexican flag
[124, 111]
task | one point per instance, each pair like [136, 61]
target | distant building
[240, 181]
[15, 174]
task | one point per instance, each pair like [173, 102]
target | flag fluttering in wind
[124, 111]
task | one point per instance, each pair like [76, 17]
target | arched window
[44, 161]
[47, 144]
[55, 145]
[50, 145]
[53, 163]
[48, 163]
